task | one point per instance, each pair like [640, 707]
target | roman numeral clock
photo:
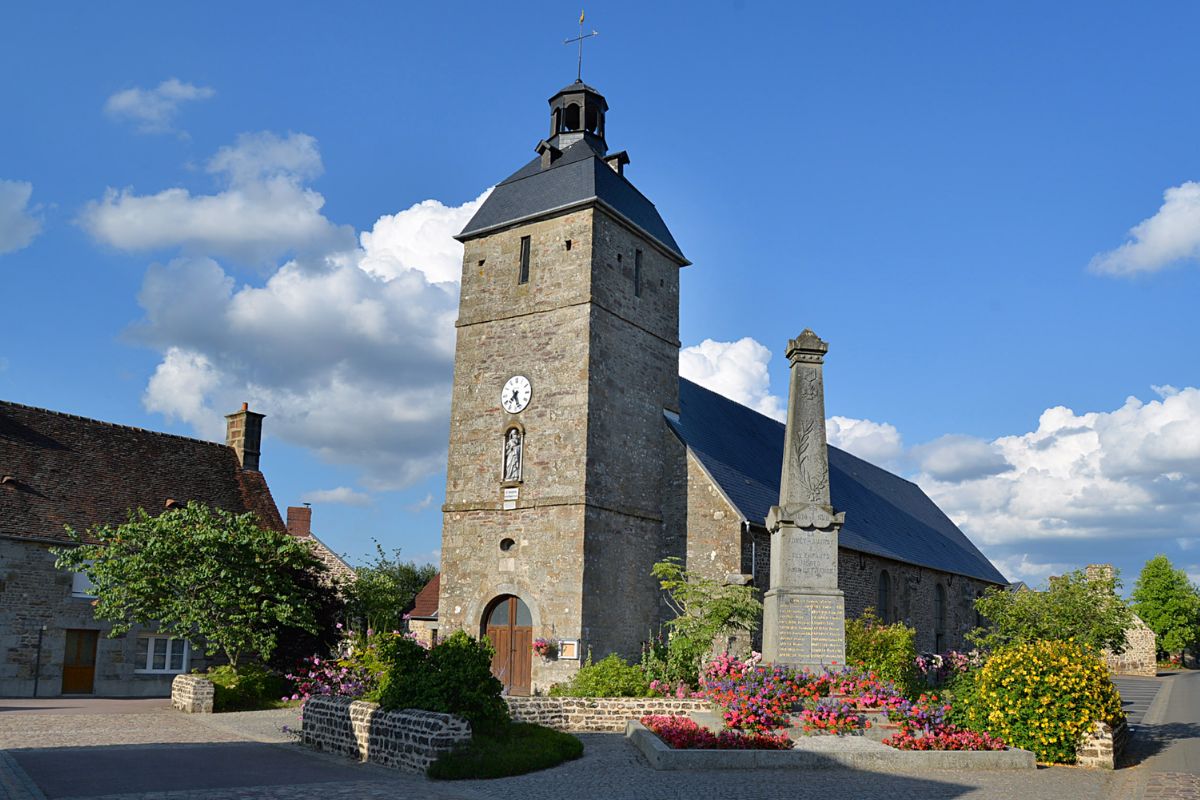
[514, 398]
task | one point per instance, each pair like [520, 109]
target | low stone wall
[408, 740]
[607, 714]
[1103, 746]
[192, 694]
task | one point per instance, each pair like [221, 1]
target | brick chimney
[243, 432]
[299, 520]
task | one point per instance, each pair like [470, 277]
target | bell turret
[577, 112]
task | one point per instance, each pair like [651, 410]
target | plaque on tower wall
[804, 612]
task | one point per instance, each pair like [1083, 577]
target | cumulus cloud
[1020, 567]
[154, 110]
[19, 222]
[349, 352]
[877, 442]
[958, 458]
[737, 370]
[342, 495]
[1170, 236]
[264, 212]
[1133, 472]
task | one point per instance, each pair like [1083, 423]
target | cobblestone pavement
[88, 730]
[1172, 786]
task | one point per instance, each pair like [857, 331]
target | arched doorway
[508, 624]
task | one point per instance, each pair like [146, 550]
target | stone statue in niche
[512, 455]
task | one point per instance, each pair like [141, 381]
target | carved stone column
[803, 610]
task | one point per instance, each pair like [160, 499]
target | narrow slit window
[524, 276]
[637, 273]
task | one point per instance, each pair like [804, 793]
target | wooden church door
[509, 626]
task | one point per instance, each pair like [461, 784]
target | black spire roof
[571, 171]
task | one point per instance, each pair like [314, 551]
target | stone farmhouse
[59, 470]
[578, 457]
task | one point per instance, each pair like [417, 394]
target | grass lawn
[518, 748]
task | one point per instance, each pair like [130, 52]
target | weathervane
[580, 38]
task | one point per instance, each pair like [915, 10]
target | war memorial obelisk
[803, 610]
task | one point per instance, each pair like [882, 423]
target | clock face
[516, 393]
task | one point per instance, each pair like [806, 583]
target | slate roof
[73, 471]
[886, 515]
[577, 177]
[425, 605]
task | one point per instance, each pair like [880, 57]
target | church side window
[524, 276]
[939, 618]
[884, 601]
[637, 273]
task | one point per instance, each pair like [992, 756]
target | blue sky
[989, 212]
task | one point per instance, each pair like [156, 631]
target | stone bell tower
[563, 484]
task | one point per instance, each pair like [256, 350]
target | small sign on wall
[569, 649]
[512, 493]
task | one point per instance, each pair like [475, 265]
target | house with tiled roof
[421, 618]
[60, 471]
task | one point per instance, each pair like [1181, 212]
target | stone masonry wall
[604, 714]
[408, 740]
[33, 593]
[1141, 652]
[1103, 746]
[192, 694]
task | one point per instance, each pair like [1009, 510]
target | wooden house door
[79, 662]
[509, 626]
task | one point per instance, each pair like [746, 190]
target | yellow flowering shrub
[1042, 696]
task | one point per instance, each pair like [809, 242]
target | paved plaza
[135, 750]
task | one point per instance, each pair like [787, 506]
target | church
[578, 457]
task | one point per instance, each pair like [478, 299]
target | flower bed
[683, 733]
[949, 738]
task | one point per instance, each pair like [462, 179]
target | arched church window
[557, 120]
[884, 601]
[939, 618]
[591, 119]
[514, 444]
[571, 118]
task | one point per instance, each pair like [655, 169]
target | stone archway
[508, 624]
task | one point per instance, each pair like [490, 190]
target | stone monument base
[804, 628]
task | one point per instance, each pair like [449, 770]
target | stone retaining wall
[407, 740]
[608, 714]
[192, 694]
[1103, 746]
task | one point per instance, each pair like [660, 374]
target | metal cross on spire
[580, 38]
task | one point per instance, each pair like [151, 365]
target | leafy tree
[198, 572]
[1169, 604]
[705, 609]
[1074, 606]
[384, 588]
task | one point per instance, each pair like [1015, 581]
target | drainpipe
[37, 662]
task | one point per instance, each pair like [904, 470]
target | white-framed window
[162, 654]
[81, 586]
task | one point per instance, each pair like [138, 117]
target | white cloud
[1170, 236]
[958, 458]
[154, 110]
[349, 352]
[422, 504]
[877, 442]
[737, 370]
[19, 223]
[342, 495]
[264, 212]
[1021, 567]
[1130, 473]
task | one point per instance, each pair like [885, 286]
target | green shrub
[890, 651]
[1041, 696]
[249, 688]
[388, 655]
[611, 676]
[512, 749]
[454, 677]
